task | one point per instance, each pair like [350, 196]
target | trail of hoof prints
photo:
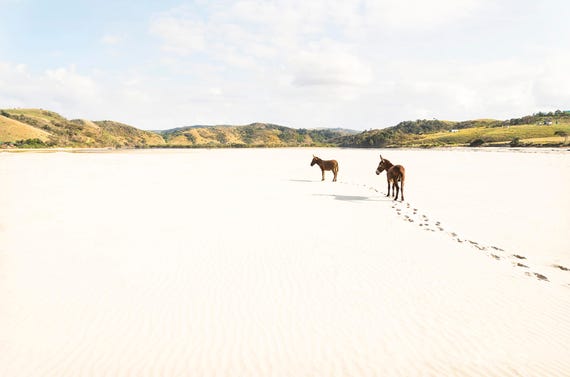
[411, 214]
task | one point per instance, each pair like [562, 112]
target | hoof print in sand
[537, 275]
[561, 267]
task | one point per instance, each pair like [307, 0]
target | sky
[304, 64]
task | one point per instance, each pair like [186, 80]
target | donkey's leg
[323, 173]
[388, 194]
[335, 171]
[402, 188]
[396, 188]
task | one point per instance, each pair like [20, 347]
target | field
[527, 134]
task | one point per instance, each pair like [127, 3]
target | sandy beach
[243, 263]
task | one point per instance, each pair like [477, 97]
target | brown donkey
[394, 173]
[326, 165]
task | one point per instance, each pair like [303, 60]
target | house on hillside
[454, 130]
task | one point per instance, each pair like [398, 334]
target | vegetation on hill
[12, 130]
[541, 129]
[252, 135]
[33, 128]
[37, 128]
[53, 130]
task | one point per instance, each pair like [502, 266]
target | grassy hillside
[43, 128]
[12, 130]
[526, 135]
[34, 128]
[252, 135]
[535, 130]
[128, 136]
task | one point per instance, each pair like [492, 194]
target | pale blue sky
[320, 63]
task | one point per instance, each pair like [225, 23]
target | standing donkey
[326, 165]
[394, 173]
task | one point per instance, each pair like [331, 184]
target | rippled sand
[243, 263]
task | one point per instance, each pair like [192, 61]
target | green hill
[542, 129]
[37, 128]
[252, 135]
[43, 128]
[12, 130]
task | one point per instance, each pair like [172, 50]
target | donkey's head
[383, 165]
[315, 160]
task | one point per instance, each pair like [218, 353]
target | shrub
[30, 143]
[476, 143]
[516, 142]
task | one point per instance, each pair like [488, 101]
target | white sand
[242, 263]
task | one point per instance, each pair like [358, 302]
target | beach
[241, 262]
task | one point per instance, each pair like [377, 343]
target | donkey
[394, 173]
[326, 165]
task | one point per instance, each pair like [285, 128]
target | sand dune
[242, 263]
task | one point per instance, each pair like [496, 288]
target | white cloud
[360, 64]
[69, 81]
[329, 68]
[447, 90]
[331, 60]
[62, 84]
[59, 89]
[552, 85]
[266, 40]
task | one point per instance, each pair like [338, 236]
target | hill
[13, 130]
[541, 129]
[43, 128]
[35, 128]
[251, 135]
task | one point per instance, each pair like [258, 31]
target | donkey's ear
[313, 156]
[381, 159]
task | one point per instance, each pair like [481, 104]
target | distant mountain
[251, 135]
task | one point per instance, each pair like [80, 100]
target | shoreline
[530, 149]
[55, 150]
